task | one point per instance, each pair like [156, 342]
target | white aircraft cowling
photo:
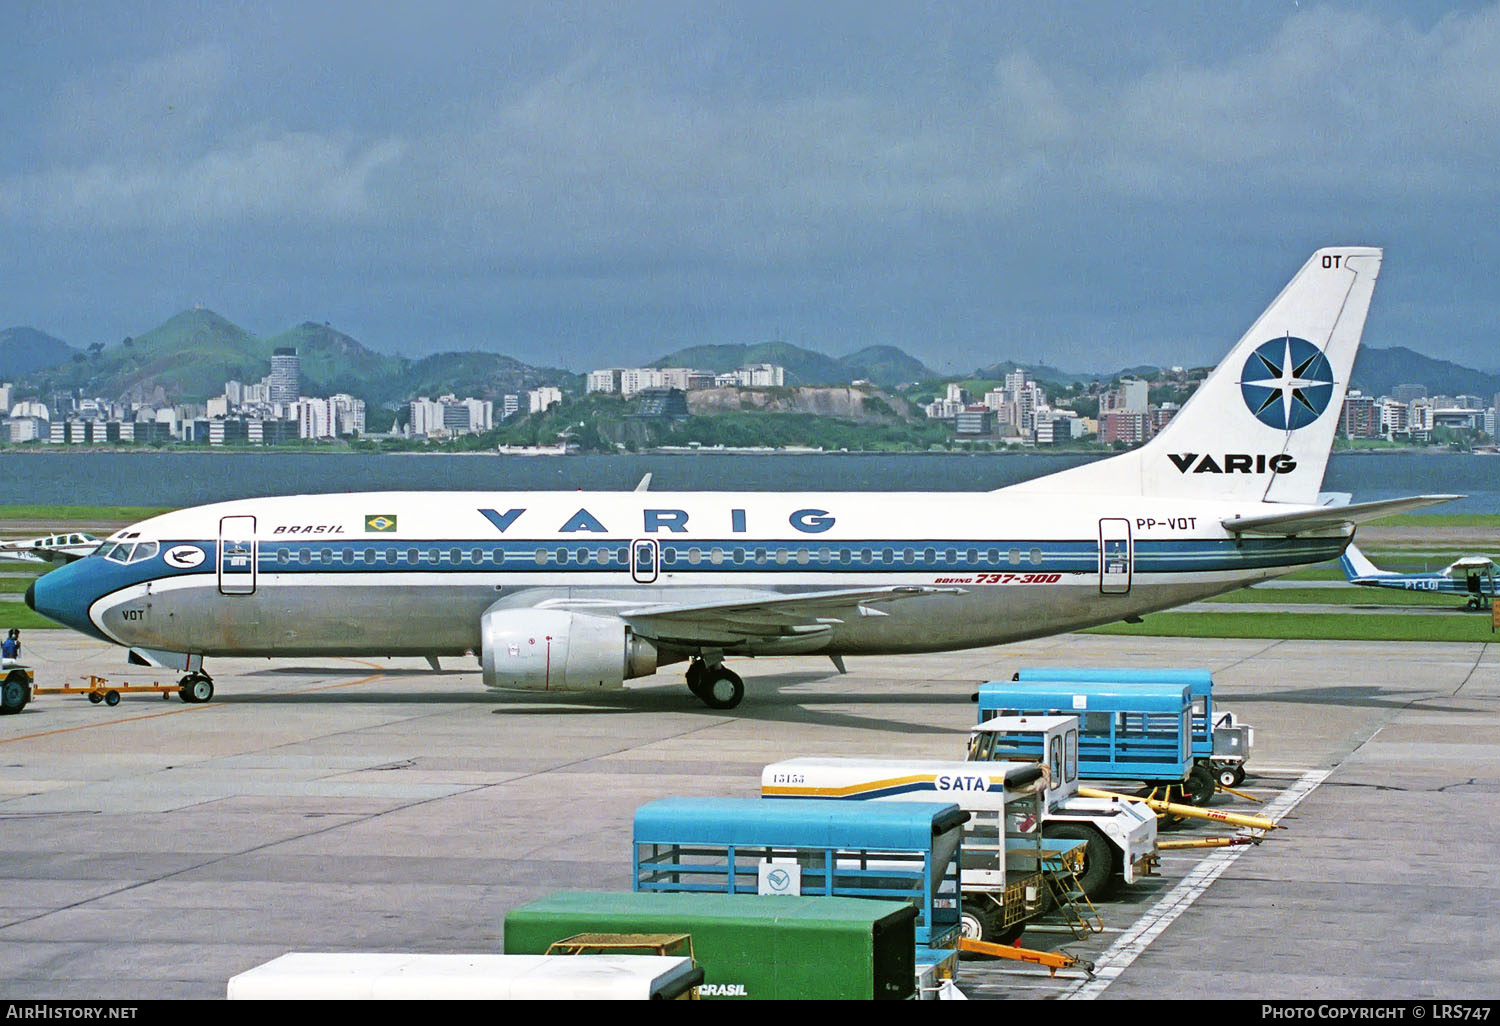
[558, 650]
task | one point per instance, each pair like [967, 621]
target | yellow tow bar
[1187, 811]
[1052, 960]
[1208, 842]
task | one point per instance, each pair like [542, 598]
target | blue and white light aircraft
[1473, 577]
[580, 591]
[52, 548]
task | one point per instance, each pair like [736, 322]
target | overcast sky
[1084, 184]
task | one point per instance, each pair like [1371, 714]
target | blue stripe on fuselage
[67, 593]
[787, 555]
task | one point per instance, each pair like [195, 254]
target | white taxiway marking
[1133, 942]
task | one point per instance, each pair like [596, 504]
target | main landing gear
[716, 685]
[195, 687]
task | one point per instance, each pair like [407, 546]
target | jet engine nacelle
[553, 650]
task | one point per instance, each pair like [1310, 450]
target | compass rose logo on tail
[1287, 383]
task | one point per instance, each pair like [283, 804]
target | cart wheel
[1009, 934]
[15, 692]
[95, 697]
[1095, 880]
[1227, 777]
[111, 698]
[1200, 786]
[971, 925]
[1239, 776]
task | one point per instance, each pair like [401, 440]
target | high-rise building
[1361, 418]
[286, 375]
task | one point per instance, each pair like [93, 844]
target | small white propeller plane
[580, 591]
[52, 548]
[1471, 576]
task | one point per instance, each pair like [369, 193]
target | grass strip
[1302, 626]
[81, 514]
[17, 614]
[1439, 520]
[1350, 596]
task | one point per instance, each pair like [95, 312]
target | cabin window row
[619, 557]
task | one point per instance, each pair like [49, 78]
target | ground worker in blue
[10, 648]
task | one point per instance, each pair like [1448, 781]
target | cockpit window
[106, 550]
[128, 552]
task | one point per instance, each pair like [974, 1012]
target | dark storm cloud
[598, 186]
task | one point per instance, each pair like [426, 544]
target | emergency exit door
[237, 556]
[1114, 556]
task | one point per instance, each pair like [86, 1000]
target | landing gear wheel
[1095, 880]
[195, 687]
[111, 698]
[694, 676]
[721, 688]
[1199, 789]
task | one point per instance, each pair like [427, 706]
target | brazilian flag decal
[380, 522]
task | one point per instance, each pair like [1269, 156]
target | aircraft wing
[1330, 517]
[1468, 565]
[768, 616]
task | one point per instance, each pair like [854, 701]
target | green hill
[885, 365]
[27, 350]
[1379, 371]
[190, 356]
[487, 374]
[332, 362]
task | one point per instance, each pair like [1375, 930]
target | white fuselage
[412, 573]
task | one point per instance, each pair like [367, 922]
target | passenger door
[237, 556]
[1114, 556]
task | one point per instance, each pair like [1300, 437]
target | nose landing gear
[195, 687]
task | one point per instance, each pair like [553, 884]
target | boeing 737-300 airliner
[579, 591]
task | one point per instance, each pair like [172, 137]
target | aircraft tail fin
[1357, 565]
[1261, 425]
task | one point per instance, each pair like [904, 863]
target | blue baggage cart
[907, 851]
[1221, 744]
[1126, 732]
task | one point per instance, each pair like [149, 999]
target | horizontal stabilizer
[1325, 518]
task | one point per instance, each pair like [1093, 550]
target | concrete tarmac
[155, 849]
